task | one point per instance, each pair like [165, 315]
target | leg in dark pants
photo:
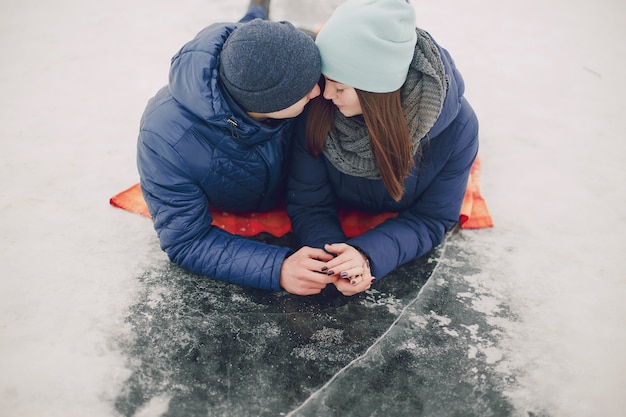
[258, 9]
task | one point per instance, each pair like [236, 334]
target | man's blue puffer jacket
[197, 150]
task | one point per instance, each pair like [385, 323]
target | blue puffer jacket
[433, 192]
[197, 150]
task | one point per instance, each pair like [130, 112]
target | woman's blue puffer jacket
[433, 192]
[197, 150]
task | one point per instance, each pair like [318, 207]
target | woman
[392, 133]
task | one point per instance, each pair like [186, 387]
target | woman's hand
[350, 267]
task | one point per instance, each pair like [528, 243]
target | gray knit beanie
[268, 66]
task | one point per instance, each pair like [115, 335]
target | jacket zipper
[233, 128]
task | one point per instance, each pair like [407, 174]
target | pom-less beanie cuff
[369, 44]
[268, 66]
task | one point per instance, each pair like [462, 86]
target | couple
[369, 116]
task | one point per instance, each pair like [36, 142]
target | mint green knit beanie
[369, 44]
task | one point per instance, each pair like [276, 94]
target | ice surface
[545, 78]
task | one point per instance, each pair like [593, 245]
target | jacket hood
[193, 77]
[454, 95]
[194, 84]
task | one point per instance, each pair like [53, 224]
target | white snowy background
[545, 77]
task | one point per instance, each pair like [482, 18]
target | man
[218, 137]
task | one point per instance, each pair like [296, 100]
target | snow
[544, 77]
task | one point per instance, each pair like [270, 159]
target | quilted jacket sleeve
[180, 211]
[311, 201]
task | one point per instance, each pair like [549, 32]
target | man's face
[296, 108]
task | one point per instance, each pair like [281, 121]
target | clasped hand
[309, 270]
[350, 268]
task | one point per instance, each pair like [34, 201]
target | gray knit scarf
[347, 146]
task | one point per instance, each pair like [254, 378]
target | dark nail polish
[344, 274]
[324, 268]
[331, 272]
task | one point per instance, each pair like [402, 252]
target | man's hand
[302, 274]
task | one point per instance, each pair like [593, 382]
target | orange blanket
[474, 213]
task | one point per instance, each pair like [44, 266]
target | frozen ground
[544, 76]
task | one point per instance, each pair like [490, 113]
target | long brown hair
[388, 132]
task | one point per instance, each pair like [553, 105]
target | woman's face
[344, 97]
